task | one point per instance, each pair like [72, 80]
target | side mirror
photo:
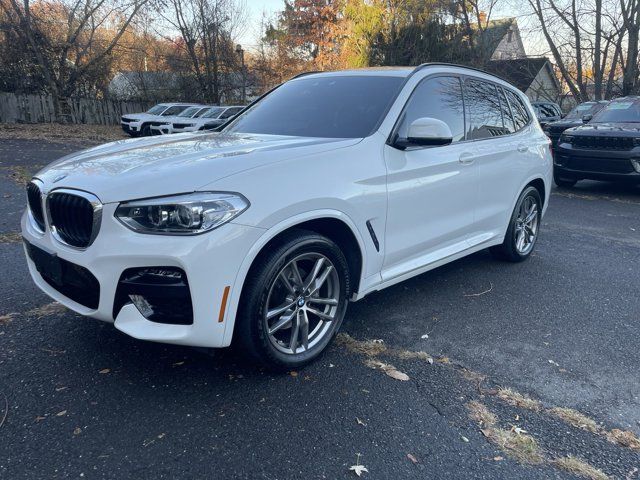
[429, 131]
[586, 118]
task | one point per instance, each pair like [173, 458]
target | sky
[255, 10]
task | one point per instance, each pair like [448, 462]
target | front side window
[519, 111]
[213, 112]
[176, 109]
[189, 112]
[157, 110]
[332, 106]
[230, 112]
[484, 116]
[436, 97]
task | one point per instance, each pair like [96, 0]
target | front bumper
[596, 164]
[161, 129]
[210, 261]
[130, 127]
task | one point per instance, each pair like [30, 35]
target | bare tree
[593, 43]
[66, 38]
[208, 31]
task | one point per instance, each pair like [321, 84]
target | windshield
[584, 109]
[619, 111]
[157, 110]
[329, 107]
[189, 112]
[214, 112]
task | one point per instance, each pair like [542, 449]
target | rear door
[431, 190]
[503, 164]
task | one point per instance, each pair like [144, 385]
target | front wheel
[294, 301]
[522, 232]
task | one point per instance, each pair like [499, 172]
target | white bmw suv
[330, 187]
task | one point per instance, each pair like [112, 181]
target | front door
[431, 190]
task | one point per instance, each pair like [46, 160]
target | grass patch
[514, 442]
[53, 308]
[624, 438]
[580, 468]
[6, 319]
[370, 348]
[520, 446]
[481, 414]
[20, 175]
[575, 418]
[11, 237]
[55, 132]
[518, 400]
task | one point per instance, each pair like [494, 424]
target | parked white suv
[332, 186]
[165, 126]
[139, 124]
[210, 120]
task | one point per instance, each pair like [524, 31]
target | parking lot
[500, 358]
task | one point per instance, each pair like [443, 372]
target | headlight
[188, 214]
[566, 138]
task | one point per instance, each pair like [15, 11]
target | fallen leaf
[177, 364]
[6, 319]
[398, 375]
[554, 363]
[358, 469]
[161, 436]
[59, 389]
[105, 370]
[360, 422]
[331, 365]
[518, 430]
[464, 439]
[412, 458]
[77, 431]
[39, 418]
[293, 373]
[498, 458]
[62, 413]
[426, 335]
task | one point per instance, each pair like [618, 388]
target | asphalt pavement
[479, 369]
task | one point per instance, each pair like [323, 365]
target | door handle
[466, 158]
[522, 148]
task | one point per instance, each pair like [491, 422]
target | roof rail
[445, 64]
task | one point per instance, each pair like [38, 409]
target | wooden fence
[16, 108]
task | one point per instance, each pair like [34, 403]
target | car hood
[141, 116]
[156, 166]
[607, 129]
[564, 124]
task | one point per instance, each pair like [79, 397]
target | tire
[563, 182]
[145, 131]
[516, 248]
[272, 285]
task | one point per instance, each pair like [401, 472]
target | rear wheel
[294, 301]
[522, 232]
[563, 181]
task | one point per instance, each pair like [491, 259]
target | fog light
[142, 305]
[636, 164]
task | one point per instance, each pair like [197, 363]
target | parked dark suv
[607, 148]
[547, 112]
[580, 114]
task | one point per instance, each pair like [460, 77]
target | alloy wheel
[302, 303]
[526, 229]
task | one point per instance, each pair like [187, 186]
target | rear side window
[229, 112]
[436, 97]
[484, 115]
[507, 119]
[520, 113]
